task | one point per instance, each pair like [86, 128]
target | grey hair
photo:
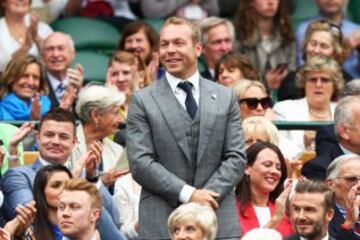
[97, 97]
[211, 22]
[67, 36]
[343, 111]
[333, 169]
[352, 88]
[203, 215]
[262, 234]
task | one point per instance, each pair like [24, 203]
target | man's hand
[205, 196]
[112, 175]
[19, 136]
[352, 205]
[76, 76]
[69, 97]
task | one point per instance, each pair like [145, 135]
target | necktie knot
[186, 86]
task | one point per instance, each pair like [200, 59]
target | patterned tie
[60, 90]
[190, 103]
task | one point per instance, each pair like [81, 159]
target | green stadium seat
[305, 9]
[89, 34]
[354, 10]
[95, 65]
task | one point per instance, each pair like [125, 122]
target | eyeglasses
[352, 180]
[323, 80]
[252, 103]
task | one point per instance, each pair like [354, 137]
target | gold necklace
[324, 115]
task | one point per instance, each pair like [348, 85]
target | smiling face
[320, 44]
[138, 43]
[29, 83]
[265, 173]
[178, 53]
[122, 76]
[308, 215]
[56, 141]
[108, 122]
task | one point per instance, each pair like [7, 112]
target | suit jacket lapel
[208, 108]
[168, 106]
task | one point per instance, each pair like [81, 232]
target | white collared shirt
[54, 82]
[181, 94]
[324, 238]
[45, 163]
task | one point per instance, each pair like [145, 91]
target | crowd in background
[276, 72]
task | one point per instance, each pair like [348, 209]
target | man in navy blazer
[347, 132]
[56, 139]
[311, 209]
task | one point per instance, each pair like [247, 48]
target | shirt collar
[54, 82]
[346, 152]
[46, 163]
[324, 238]
[174, 81]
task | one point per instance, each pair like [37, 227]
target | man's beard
[315, 233]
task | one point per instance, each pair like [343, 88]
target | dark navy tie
[190, 104]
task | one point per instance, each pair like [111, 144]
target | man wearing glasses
[343, 176]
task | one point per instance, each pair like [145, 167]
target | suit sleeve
[232, 166]
[145, 168]
[17, 189]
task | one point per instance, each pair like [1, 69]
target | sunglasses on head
[335, 29]
[252, 103]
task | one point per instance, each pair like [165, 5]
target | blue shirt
[347, 27]
[14, 108]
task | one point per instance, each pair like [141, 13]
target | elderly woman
[261, 186]
[21, 32]
[24, 92]
[192, 221]
[233, 67]
[324, 39]
[253, 99]
[321, 81]
[98, 109]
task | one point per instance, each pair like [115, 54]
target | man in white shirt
[58, 52]
[184, 138]
[311, 210]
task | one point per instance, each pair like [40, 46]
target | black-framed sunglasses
[352, 180]
[252, 103]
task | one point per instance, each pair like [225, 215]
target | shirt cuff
[186, 193]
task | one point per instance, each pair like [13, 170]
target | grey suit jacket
[159, 154]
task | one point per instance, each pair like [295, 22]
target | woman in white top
[21, 31]
[321, 80]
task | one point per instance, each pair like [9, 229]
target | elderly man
[347, 131]
[184, 138]
[343, 176]
[217, 37]
[58, 52]
[333, 10]
[79, 222]
[311, 210]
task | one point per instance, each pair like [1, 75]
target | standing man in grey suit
[184, 138]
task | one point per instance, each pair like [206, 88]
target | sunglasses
[352, 180]
[335, 29]
[252, 103]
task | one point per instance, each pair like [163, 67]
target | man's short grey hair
[343, 111]
[69, 39]
[352, 88]
[97, 97]
[211, 22]
[333, 169]
[262, 234]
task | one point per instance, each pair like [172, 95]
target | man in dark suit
[343, 180]
[311, 209]
[56, 139]
[184, 138]
[347, 131]
[58, 52]
[217, 37]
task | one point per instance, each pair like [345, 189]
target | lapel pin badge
[213, 96]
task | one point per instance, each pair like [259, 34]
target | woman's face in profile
[29, 83]
[54, 188]
[188, 230]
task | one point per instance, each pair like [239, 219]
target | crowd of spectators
[92, 177]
